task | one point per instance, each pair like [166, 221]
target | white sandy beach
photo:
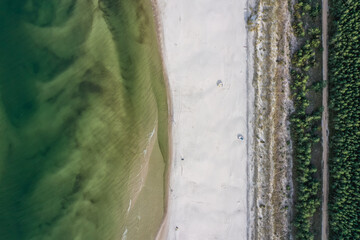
[204, 41]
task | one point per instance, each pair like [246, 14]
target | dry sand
[205, 41]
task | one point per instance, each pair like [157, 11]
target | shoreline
[159, 35]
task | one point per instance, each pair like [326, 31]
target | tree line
[344, 105]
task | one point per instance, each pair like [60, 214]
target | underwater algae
[83, 120]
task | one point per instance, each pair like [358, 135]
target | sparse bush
[315, 43]
[304, 127]
[307, 8]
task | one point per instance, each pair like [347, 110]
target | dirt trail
[324, 123]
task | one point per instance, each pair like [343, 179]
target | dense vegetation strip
[344, 95]
[305, 121]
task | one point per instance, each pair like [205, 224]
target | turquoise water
[81, 88]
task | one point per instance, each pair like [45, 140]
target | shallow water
[83, 120]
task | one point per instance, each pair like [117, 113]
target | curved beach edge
[163, 230]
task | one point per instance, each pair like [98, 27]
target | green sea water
[83, 120]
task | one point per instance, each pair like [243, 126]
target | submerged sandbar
[83, 117]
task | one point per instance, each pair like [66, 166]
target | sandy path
[324, 123]
[203, 42]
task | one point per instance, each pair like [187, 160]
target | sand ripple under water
[81, 89]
